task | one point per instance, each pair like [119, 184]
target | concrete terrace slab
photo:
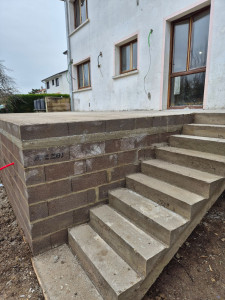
[61, 276]
[67, 117]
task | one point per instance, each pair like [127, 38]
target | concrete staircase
[128, 242]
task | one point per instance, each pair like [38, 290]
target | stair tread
[109, 264]
[202, 138]
[205, 125]
[206, 155]
[171, 190]
[159, 214]
[192, 173]
[140, 241]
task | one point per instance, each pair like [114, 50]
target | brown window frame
[131, 56]
[74, 8]
[89, 74]
[188, 71]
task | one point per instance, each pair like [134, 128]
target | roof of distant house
[55, 75]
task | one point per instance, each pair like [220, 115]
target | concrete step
[203, 144]
[195, 181]
[111, 275]
[176, 199]
[210, 118]
[153, 218]
[61, 276]
[137, 248]
[207, 130]
[207, 162]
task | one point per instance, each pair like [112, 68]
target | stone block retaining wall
[62, 170]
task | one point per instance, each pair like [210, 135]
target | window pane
[83, 9]
[180, 46]
[134, 56]
[77, 13]
[188, 89]
[80, 76]
[200, 32]
[86, 75]
[125, 58]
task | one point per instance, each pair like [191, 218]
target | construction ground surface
[195, 273]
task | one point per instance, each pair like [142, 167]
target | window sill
[79, 27]
[82, 90]
[125, 74]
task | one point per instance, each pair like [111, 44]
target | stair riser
[100, 283]
[214, 119]
[201, 164]
[146, 224]
[134, 259]
[198, 145]
[214, 132]
[162, 199]
[182, 181]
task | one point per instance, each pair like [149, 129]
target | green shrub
[25, 103]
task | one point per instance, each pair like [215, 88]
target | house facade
[57, 83]
[146, 55]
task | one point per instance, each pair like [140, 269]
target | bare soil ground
[195, 273]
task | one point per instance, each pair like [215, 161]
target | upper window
[53, 82]
[80, 12]
[47, 84]
[128, 57]
[57, 81]
[83, 74]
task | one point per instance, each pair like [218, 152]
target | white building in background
[146, 54]
[57, 84]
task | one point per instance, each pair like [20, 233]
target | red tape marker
[6, 166]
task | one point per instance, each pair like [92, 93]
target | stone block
[122, 171]
[70, 202]
[38, 211]
[34, 175]
[80, 128]
[58, 238]
[103, 190]
[43, 131]
[120, 125]
[102, 162]
[52, 224]
[45, 156]
[79, 151]
[144, 122]
[88, 181]
[127, 157]
[48, 190]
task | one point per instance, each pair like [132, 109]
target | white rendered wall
[113, 21]
[63, 87]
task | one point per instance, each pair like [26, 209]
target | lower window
[83, 75]
[187, 89]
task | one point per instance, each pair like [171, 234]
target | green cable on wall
[150, 32]
[149, 50]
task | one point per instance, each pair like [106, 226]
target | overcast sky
[32, 40]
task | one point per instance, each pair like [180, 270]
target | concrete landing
[61, 276]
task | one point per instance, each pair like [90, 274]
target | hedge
[25, 103]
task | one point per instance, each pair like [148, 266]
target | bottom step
[112, 276]
[61, 276]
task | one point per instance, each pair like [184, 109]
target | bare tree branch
[7, 84]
